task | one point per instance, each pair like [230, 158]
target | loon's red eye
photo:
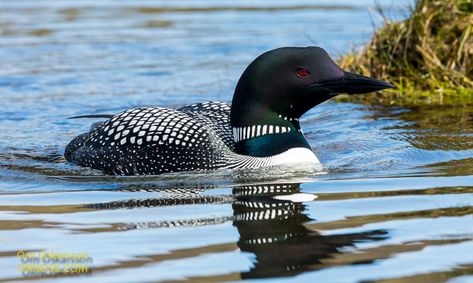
[302, 72]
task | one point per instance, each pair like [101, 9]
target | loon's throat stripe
[249, 132]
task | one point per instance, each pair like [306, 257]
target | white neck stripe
[249, 132]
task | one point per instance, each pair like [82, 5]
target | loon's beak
[355, 84]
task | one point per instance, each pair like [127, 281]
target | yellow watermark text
[52, 262]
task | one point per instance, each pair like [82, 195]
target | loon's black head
[279, 86]
[291, 80]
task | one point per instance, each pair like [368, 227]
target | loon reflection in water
[272, 229]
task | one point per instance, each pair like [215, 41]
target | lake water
[395, 203]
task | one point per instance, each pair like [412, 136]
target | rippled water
[394, 205]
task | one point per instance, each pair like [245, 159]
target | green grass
[427, 56]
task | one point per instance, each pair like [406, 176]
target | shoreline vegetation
[427, 56]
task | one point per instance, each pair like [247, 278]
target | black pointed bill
[354, 84]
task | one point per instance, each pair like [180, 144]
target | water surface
[394, 204]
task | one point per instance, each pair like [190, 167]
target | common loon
[260, 128]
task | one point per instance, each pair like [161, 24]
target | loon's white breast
[298, 155]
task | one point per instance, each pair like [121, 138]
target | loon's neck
[268, 135]
[264, 120]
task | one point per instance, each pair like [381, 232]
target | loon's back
[157, 140]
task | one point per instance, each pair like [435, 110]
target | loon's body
[260, 128]
[156, 140]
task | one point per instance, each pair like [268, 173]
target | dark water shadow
[432, 127]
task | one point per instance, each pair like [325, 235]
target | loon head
[278, 87]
